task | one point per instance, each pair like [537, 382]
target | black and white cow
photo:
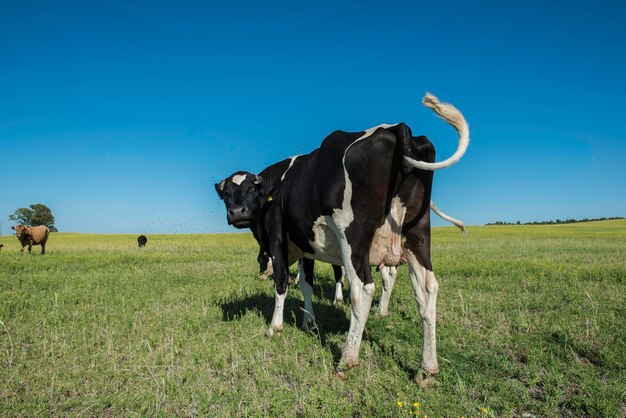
[388, 274]
[360, 199]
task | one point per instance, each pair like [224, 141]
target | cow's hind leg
[388, 274]
[361, 295]
[30, 247]
[354, 255]
[425, 287]
[305, 282]
[43, 248]
[338, 273]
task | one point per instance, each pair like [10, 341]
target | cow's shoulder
[338, 141]
[276, 169]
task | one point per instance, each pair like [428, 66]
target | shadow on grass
[330, 320]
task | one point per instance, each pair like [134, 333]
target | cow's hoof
[345, 365]
[383, 314]
[341, 374]
[425, 378]
[309, 326]
[431, 372]
[338, 303]
[273, 331]
[425, 382]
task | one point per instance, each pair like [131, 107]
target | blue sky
[120, 116]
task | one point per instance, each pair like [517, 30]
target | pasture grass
[531, 320]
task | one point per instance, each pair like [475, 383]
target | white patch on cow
[325, 243]
[238, 179]
[277, 319]
[388, 274]
[387, 243]
[307, 293]
[425, 287]
[292, 160]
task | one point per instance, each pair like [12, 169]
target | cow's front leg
[280, 293]
[388, 274]
[338, 273]
[30, 247]
[426, 288]
[305, 271]
[279, 259]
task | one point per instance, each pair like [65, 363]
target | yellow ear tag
[269, 199]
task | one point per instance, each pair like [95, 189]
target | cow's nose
[237, 211]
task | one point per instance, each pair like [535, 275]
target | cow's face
[21, 230]
[243, 196]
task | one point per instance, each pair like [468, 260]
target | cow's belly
[325, 244]
[386, 246]
[295, 253]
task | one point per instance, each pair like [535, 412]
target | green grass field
[531, 320]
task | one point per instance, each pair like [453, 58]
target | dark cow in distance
[360, 199]
[142, 241]
[1, 245]
[32, 235]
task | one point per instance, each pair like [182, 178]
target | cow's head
[21, 230]
[243, 196]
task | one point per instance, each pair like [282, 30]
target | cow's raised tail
[451, 115]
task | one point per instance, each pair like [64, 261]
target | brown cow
[32, 235]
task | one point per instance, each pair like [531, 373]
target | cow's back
[39, 234]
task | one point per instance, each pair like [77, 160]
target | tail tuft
[430, 101]
[451, 115]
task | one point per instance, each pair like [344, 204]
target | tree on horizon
[35, 215]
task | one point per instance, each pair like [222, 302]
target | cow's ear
[219, 188]
[257, 179]
[13, 228]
